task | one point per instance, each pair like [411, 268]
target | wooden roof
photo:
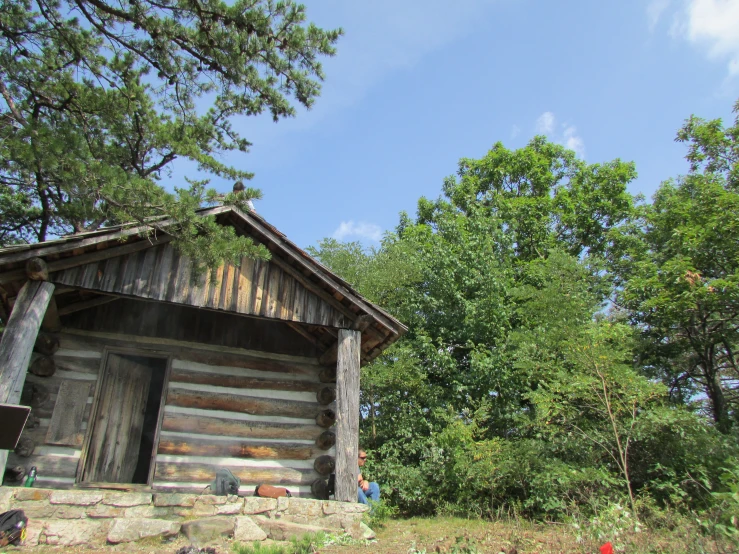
[130, 262]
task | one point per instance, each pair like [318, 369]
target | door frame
[102, 378]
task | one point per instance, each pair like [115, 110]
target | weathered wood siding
[253, 287]
[251, 412]
[78, 364]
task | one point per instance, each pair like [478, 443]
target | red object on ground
[606, 548]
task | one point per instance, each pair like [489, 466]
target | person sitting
[366, 491]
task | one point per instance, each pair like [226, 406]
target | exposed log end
[319, 489]
[326, 395]
[325, 465]
[37, 270]
[326, 418]
[43, 366]
[25, 447]
[46, 344]
[35, 396]
[327, 375]
[326, 440]
[33, 421]
[14, 475]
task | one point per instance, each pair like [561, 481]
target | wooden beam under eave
[347, 415]
[85, 304]
[361, 324]
[90, 257]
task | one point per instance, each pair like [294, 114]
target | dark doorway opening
[124, 433]
[151, 419]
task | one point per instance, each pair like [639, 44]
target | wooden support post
[347, 417]
[17, 343]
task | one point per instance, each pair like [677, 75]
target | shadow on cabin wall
[169, 321]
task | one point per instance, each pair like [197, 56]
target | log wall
[251, 412]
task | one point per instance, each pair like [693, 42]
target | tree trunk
[719, 408]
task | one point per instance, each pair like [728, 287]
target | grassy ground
[459, 536]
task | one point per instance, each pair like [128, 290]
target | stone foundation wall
[95, 517]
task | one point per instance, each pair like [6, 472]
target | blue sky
[418, 84]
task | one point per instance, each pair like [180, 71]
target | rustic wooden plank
[244, 404]
[16, 344]
[110, 269]
[311, 308]
[219, 426]
[145, 272]
[128, 282]
[234, 448]
[46, 410]
[271, 292]
[298, 303]
[261, 269]
[184, 280]
[174, 274]
[200, 287]
[286, 297]
[92, 275]
[202, 473]
[221, 355]
[236, 381]
[347, 417]
[68, 263]
[244, 278]
[162, 272]
[47, 466]
[215, 288]
[66, 362]
[227, 287]
[66, 422]
[36, 434]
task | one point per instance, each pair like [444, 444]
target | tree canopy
[99, 97]
[570, 348]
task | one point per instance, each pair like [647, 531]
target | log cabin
[143, 374]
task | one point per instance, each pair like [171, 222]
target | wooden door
[118, 422]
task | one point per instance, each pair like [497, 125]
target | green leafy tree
[598, 394]
[489, 288]
[99, 97]
[678, 274]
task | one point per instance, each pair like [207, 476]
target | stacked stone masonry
[95, 517]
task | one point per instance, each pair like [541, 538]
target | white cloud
[545, 123]
[573, 141]
[715, 23]
[362, 230]
[515, 131]
[709, 24]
